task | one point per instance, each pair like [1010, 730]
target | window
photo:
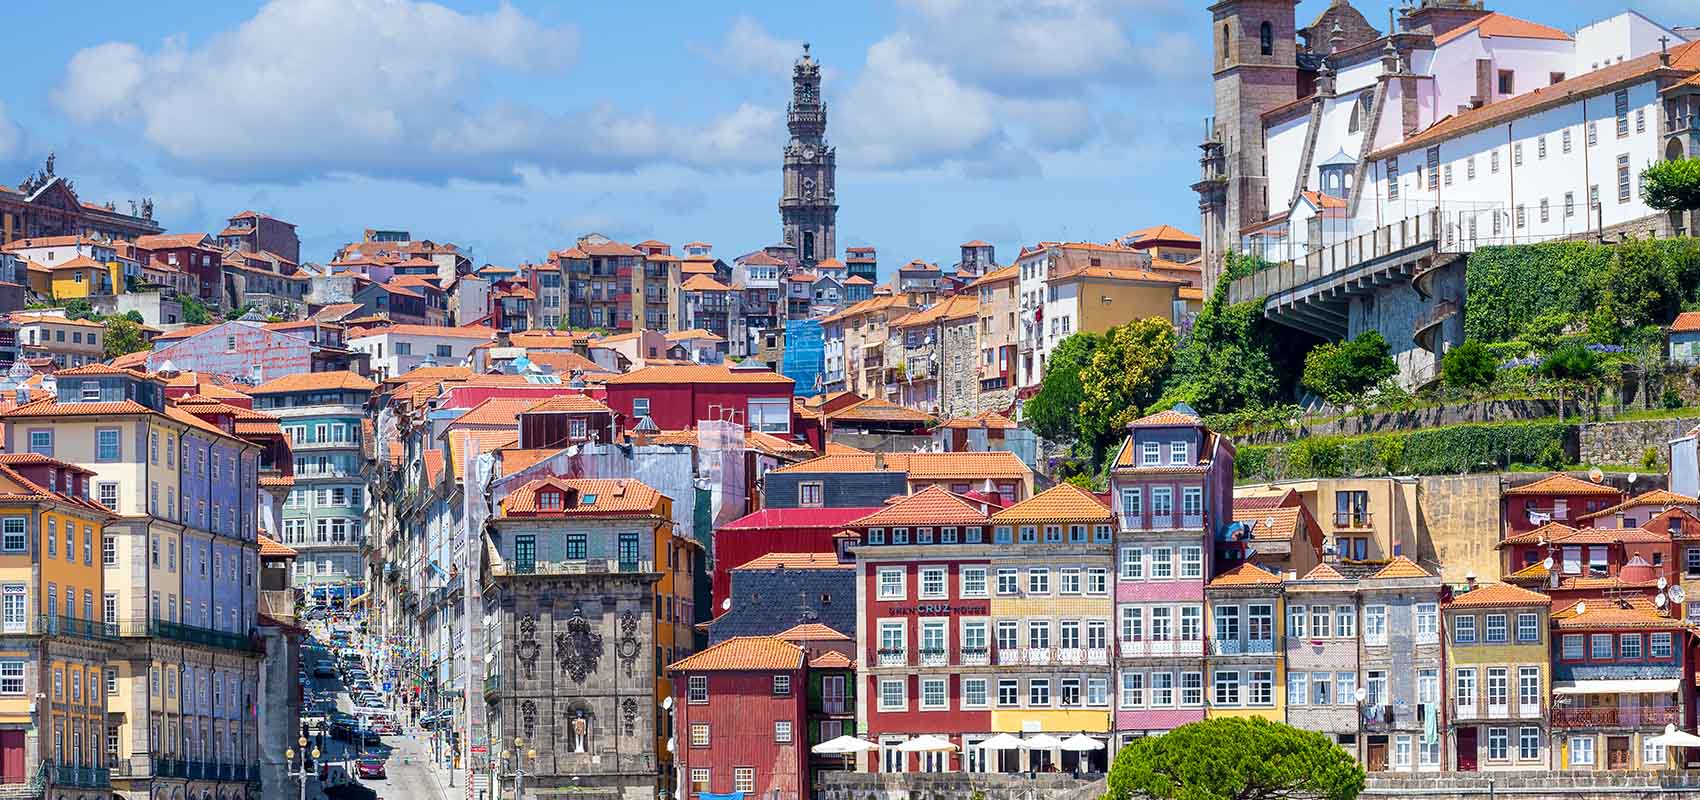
[1529, 743]
[1528, 628]
[1428, 622]
[744, 779]
[1529, 689]
[782, 685]
[41, 442]
[1623, 178]
[1546, 210]
[1192, 688]
[1261, 688]
[1133, 563]
[1393, 179]
[1009, 692]
[1507, 82]
[1375, 625]
[891, 585]
[1493, 162]
[1517, 154]
[1266, 39]
[973, 582]
[973, 692]
[1038, 581]
[1620, 103]
[1600, 646]
[640, 407]
[106, 444]
[1582, 751]
[1161, 563]
[11, 677]
[809, 493]
[1540, 147]
[1038, 693]
[1464, 690]
[699, 734]
[1298, 688]
[13, 539]
[1227, 688]
[1008, 581]
[1345, 621]
[1573, 647]
[1433, 157]
[1150, 454]
[770, 415]
[1470, 168]
[1177, 453]
[697, 689]
[1068, 580]
[1629, 645]
[1651, 752]
[14, 611]
[1498, 688]
[933, 583]
[1464, 629]
[1660, 645]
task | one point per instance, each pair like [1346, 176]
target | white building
[396, 349]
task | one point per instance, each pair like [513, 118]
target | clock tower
[808, 206]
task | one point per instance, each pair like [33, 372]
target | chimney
[1620, 520]
[1470, 579]
[879, 462]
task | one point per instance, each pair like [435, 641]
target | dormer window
[91, 391]
[549, 500]
[1177, 452]
[1150, 454]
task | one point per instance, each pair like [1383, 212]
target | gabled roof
[831, 659]
[315, 381]
[988, 420]
[795, 561]
[1497, 24]
[1549, 532]
[1165, 233]
[1246, 574]
[611, 496]
[567, 404]
[930, 506]
[500, 412]
[811, 632]
[1657, 497]
[1323, 572]
[1402, 567]
[1500, 594]
[272, 548]
[743, 653]
[1063, 503]
[1623, 612]
[697, 373]
[1270, 524]
[1165, 418]
[877, 410]
[703, 283]
[1686, 322]
[1559, 483]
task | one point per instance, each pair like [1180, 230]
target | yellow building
[1246, 665]
[82, 277]
[56, 637]
[1497, 656]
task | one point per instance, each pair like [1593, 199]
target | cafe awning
[1619, 686]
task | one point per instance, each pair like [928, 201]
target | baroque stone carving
[578, 648]
[629, 646]
[527, 650]
[629, 712]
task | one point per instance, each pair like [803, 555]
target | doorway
[1466, 749]
[1617, 752]
[1376, 757]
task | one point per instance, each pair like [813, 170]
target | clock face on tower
[808, 152]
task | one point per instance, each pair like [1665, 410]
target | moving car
[370, 768]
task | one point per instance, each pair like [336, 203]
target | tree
[1235, 759]
[78, 309]
[1232, 358]
[1468, 366]
[1055, 410]
[1125, 374]
[193, 312]
[1571, 368]
[1340, 372]
[123, 337]
[135, 316]
[1672, 185]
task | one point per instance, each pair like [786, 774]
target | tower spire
[808, 211]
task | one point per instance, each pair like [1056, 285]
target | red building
[776, 530]
[1589, 562]
[193, 254]
[676, 397]
[1555, 498]
[740, 713]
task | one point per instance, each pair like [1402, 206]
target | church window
[1266, 39]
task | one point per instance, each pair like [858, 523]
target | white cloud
[379, 87]
[903, 110]
[748, 47]
[11, 138]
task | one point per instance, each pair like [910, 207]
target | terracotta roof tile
[811, 632]
[315, 381]
[1500, 594]
[1633, 612]
[743, 653]
[611, 496]
[1656, 497]
[567, 404]
[1009, 273]
[931, 506]
[426, 330]
[698, 373]
[1166, 417]
[877, 410]
[1402, 567]
[1497, 24]
[972, 466]
[1559, 483]
[831, 659]
[1687, 321]
[1167, 233]
[988, 420]
[1270, 524]
[271, 548]
[1551, 531]
[495, 411]
[1534, 572]
[1323, 572]
[795, 561]
[1063, 503]
[1246, 574]
[50, 407]
[704, 283]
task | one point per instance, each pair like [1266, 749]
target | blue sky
[511, 128]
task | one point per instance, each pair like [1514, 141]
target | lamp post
[518, 757]
[299, 769]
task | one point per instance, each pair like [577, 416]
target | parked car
[372, 768]
[324, 669]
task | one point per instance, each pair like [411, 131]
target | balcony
[595, 566]
[191, 634]
[1242, 647]
[975, 657]
[81, 777]
[1192, 521]
[1616, 717]
[324, 444]
[1167, 647]
[492, 684]
[1353, 520]
[836, 705]
[934, 657]
[893, 657]
[78, 628]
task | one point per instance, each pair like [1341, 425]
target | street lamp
[299, 770]
[519, 758]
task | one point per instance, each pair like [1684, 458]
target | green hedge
[1451, 450]
[1641, 282]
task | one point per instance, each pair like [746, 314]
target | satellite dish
[1470, 576]
[666, 703]
[726, 605]
[572, 452]
[1677, 594]
[1663, 582]
[1634, 476]
[1659, 600]
[1547, 562]
[1361, 694]
[1596, 475]
[1582, 607]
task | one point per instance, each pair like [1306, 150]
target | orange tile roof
[431, 374]
[1270, 524]
[857, 280]
[1632, 612]
[515, 460]
[811, 632]
[743, 653]
[35, 317]
[1062, 503]
[1560, 483]
[961, 306]
[704, 283]
[1656, 497]
[989, 420]
[698, 373]
[1497, 24]
[795, 561]
[1246, 574]
[1323, 201]
[50, 407]
[694, 333]
[876, 410]
[1685, 56]
[1687, 321]
[1323, 572]
[1166, 417]
[999, 275]
[1500, 594]
[868, 306]
[495, 411]
[1534, 572]
[1551, 531]
[567, 404]
[1402, 567]
[1160, 233]
[432, 461]
[972, 466]
[410, 329]
[1190, 293]
[831, 659]
[612, 496]
[929, 507]
[271, 548]
[315, 381]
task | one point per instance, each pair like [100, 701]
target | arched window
[1266, 38]
[1225, 42]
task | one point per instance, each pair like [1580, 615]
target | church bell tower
[808, 206]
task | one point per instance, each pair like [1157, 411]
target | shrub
[1468, 366]
[1672, 185]
[1449, 450]
[1650, 459]
[1340, 372]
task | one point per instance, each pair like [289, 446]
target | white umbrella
[1041, 741]
[1002, 741]
[927, 744]
[1674, 738]
[844, 745]
[1081, 743]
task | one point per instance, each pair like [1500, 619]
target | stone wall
[955, 786]
[1537, 785]
[1459, 525]
[1415, 419]
[1627, 442]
